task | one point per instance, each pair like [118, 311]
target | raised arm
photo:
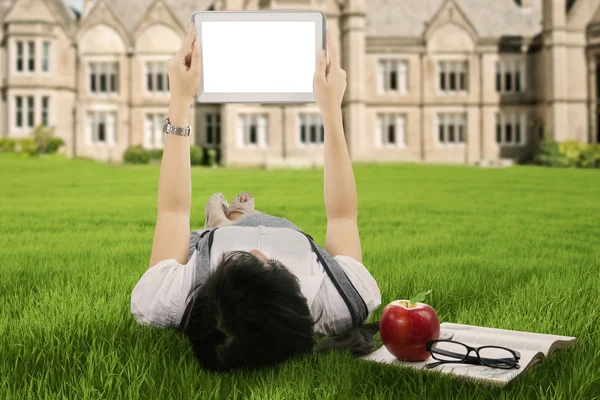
[172, 232]
[341, 203]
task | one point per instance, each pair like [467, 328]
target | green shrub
[27, 146]
[136, 155]
[573, 151]
[42, 141]
[212, 157]
[590, 156]
[549, 155]
[156, 154]
[7, 145]
[54, 145]
[42, 135]
[196, 155]
[569, 153]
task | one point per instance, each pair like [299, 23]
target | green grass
[515, 248]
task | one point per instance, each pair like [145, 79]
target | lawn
[515, 248]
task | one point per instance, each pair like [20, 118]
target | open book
[534, 347]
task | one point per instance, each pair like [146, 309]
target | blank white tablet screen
[258, 56]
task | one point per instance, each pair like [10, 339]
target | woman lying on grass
[251, 289]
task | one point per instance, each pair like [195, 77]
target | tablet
[258, 56]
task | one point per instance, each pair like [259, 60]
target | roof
[4, 6]
[66, 14]
[496, 18]
[405, 18]
[133, 11]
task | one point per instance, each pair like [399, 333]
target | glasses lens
[448, 351]
[497, 357]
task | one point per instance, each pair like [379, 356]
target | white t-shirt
[159, 298]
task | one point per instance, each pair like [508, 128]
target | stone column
[228, 132]
[353, 53]
[592, 102]
[555, 52]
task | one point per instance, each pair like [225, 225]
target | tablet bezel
[275, 15]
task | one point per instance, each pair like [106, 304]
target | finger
[332, 51]
[321, 69]
[196, 57]
[327, 51]
[187, 42]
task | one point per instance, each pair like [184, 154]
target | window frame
[458, 121]
[110, 71]
[517, 120]
[244, 122]
[19, 112]
[27, 56]
[31, 57]
[215, 125]
[45, 110]
[46, 64]
[387, 66]
[514, 67]
[153, 67]
[93, 117]
[20, 57]
[308, 120]
[153, 130]
[31, 120]
[450, 71]
[382, 125]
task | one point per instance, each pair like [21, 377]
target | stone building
[449, 81]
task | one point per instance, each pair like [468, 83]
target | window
[25, 56]
[24, 111]
[510, 76]
[153, 131]
[30, 111]
[103, 77]
[212, 127]
[390, 130]
[511, 128]
[393, 76]
[451, 128]
[31, 60]
[20, 57]
[46, 57]
[19, 111]
[157, 77]
[101, 126]
[252, 130]
[311, 129]
[453, 76]
[46, 110]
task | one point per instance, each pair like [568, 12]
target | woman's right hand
[329, 82]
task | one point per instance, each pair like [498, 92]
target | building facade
[446, 81]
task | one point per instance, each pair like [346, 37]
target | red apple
[405, 328]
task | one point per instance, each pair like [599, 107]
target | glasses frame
[467, 358]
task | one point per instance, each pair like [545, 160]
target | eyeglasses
[449, 351]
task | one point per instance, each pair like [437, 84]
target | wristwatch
[175, 130]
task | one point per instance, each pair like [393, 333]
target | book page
[478, 372]
[515, 340]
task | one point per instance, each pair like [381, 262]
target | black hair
[252, 314]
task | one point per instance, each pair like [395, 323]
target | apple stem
[408, 304]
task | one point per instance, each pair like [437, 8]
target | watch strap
[176, 130]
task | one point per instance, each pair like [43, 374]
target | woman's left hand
[185, 70]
